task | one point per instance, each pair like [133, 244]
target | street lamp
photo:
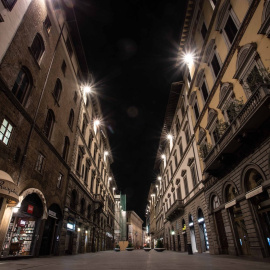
[86, 89]
[188, 58]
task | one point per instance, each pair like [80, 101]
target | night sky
[131, 48]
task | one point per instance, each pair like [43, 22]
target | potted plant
[117, 248]
[147, 247]
[159, 246]
[129, 247]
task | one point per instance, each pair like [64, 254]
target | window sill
[35, 60]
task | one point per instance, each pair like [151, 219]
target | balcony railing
[253, 114]
[175, 210]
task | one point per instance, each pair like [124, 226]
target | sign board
[71, 226]
[30, 209]
[9, 190]
[52, 214]
[230, 204]
[254, 192]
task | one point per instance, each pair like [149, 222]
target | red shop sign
[30, 209]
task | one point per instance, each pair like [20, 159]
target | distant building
[134, 229]
[120, 229]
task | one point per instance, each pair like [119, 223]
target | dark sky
[131, 48]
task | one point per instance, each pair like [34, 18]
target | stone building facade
[135, 231]
[225, 47]
[41, 115]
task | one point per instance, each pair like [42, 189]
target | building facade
[225, 47]
[134, 229]
[179, 204]
[57, 190]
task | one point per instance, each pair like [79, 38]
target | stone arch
[212, 115]
[225, 187]
[210, 201]
[247, 170]
[40, 195]
[225, 90]
[266, 11]
[221, 14]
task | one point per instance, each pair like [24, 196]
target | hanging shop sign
[254, 192]
[30, 209]
[52, 214]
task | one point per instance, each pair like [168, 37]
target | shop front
[8, 200]
[23, 230]
[51, 233]
[70, 236]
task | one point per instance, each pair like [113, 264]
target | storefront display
[20, 236]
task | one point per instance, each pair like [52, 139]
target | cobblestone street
[137, 259]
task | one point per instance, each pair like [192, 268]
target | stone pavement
[137, 259]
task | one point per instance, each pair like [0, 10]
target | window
[265, 27]
[175, 160]
[37, 48]
[64, 67]
[79, 161]
[204, 91]
[22, 85]
[171, 168]
[5, 131]
[181, 149]
[9, 4]
[86, 175]
[196, 110]
[227, 22]
[1, 20]
[92, 180]
[47, 24]
[187, 134]
[82, 171]
[230, 29]
[194, 103]
[73, 199]
[59, 180]
[215, 65]
[66, 149]
[84, 124]
[48, 127]
[69, 47]
[40, 163]
[82, 208]
[215, 202]
[193, 175]
[177, 125]
[203, 30]
[95, 152]
[186, 185]
[90, 141]
[71, 118]
[89, 211]
[57, 90]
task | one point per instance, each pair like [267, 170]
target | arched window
[89, 211]
[57, 90]
[73, 199]
[82, 208]
[71, 118]
[265, 27]
[230, 193]
[37, 47]
[22, 85]
[66, 148]
[48, 127]
[215, 202]
[253, 179]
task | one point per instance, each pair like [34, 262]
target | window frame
[40, 163]
[8, 5]
[9, 123]
[37, 48]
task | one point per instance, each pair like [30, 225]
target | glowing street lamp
[159, 178]
[86, 89]
[188, 58]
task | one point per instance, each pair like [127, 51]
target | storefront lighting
[110, 178]
[200, 220]
[159, 178]
[169, 137]
[106, 153]
[191, 224]
[79, 229]
[163, 156]
[173, 232]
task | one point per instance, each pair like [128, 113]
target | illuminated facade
[226, 48]
[54, 160]
[134, 229]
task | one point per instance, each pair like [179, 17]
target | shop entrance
[202, 231]
[184, 235]
[192, 234]
[24, 227]
[51, 234]
[261, 205]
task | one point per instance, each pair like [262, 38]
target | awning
[8, 188]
